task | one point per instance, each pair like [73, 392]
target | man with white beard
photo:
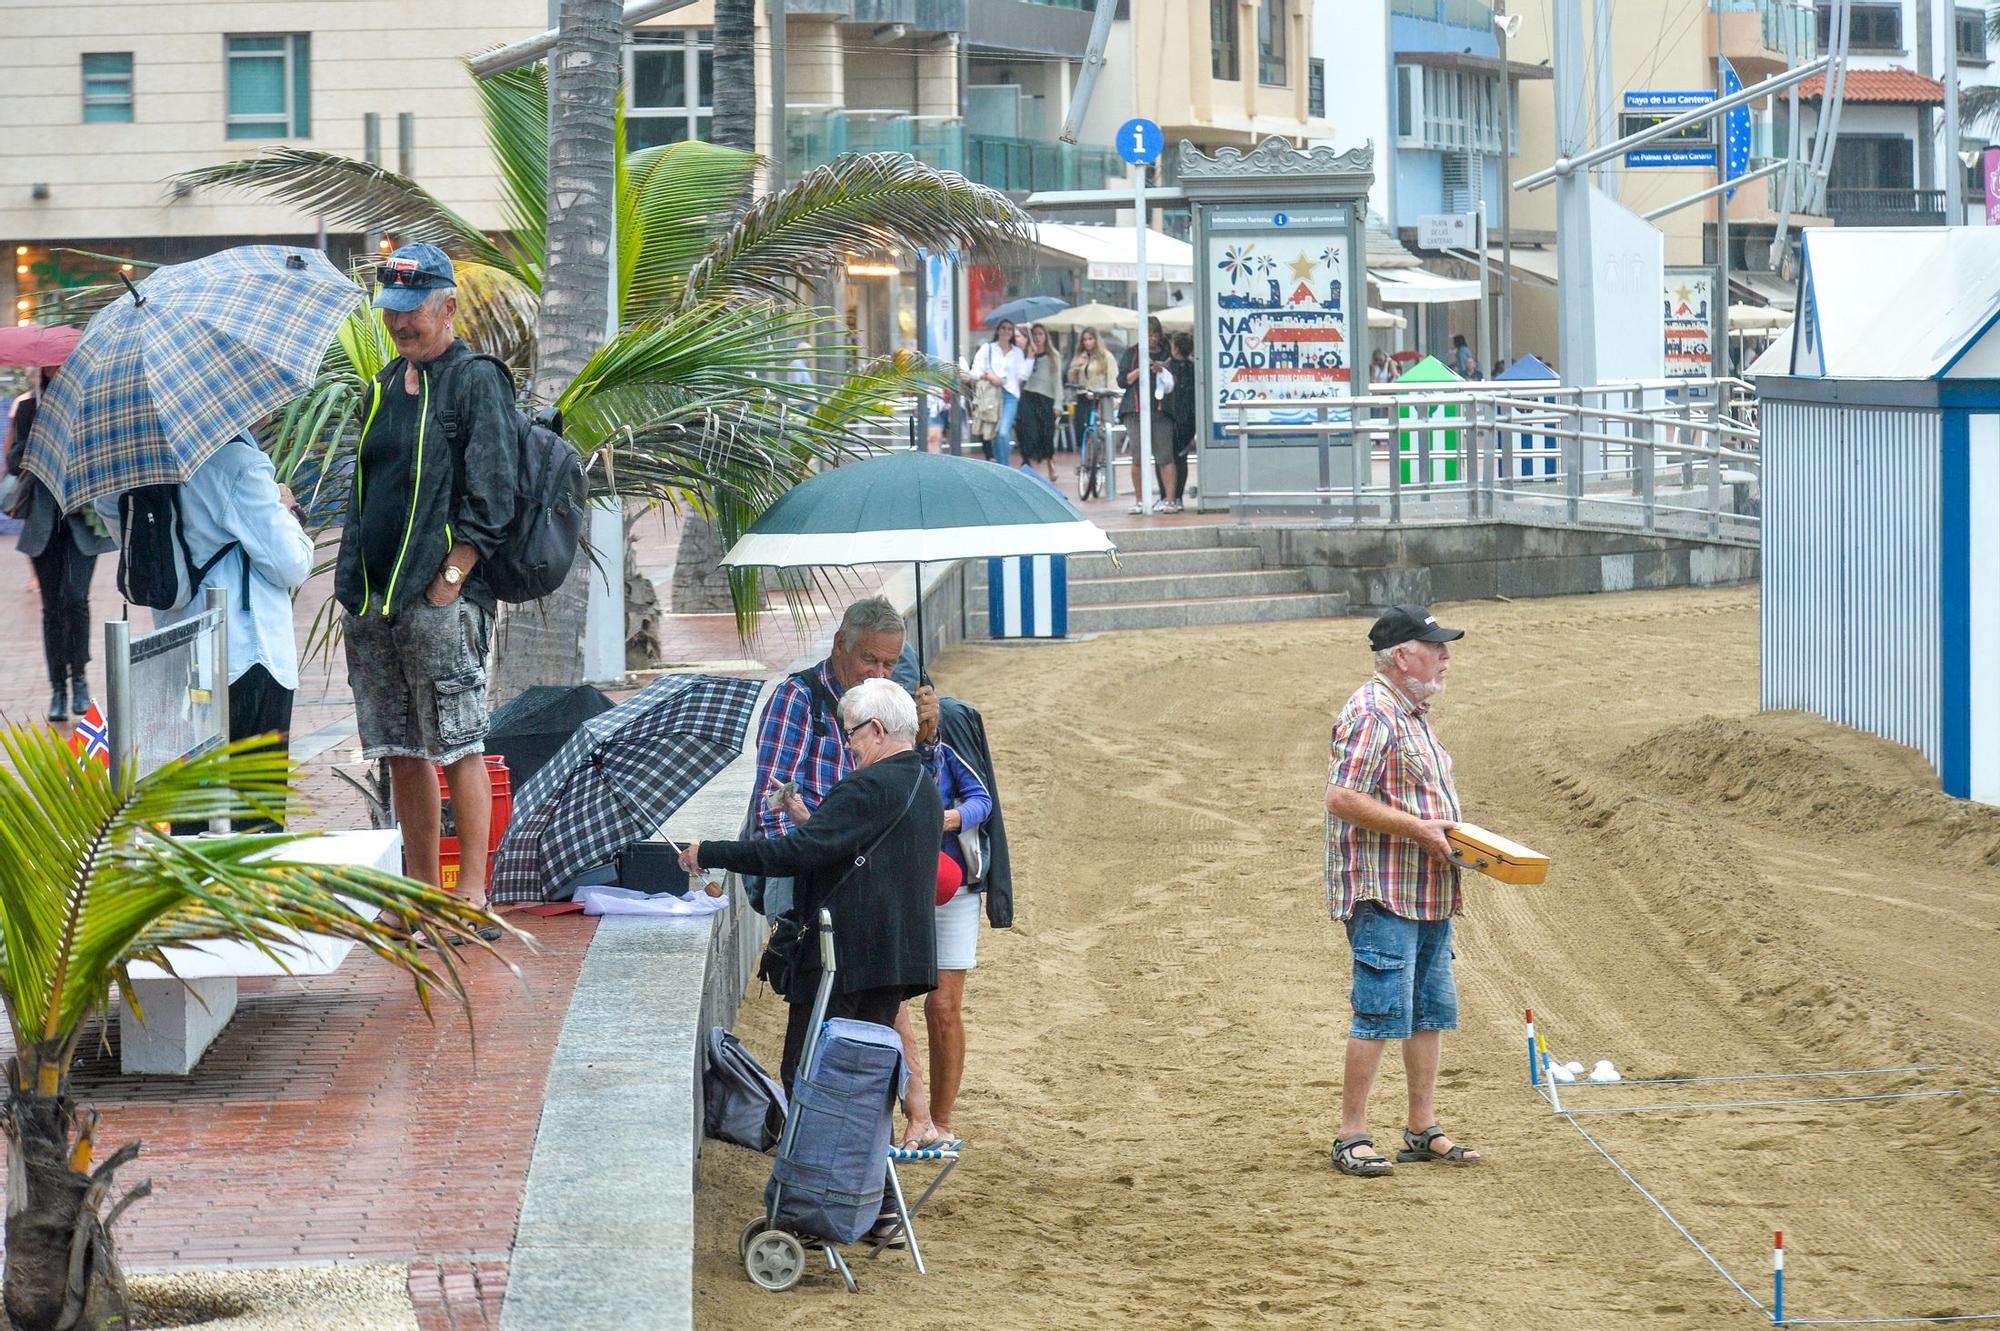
[1391, 880]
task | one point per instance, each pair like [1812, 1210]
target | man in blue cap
[433, 493]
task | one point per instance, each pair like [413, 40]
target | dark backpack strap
[201, 571]
[823, 701]
[447, 398]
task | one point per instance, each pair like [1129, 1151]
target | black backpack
[155, 566]
[550, 503]
[740, 1102]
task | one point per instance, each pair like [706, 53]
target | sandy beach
[1155, 1047]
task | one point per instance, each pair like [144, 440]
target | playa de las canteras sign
[1279, 304]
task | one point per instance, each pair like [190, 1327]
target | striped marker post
[1534, 1071]
[1555, 1096]
[1778, 1278]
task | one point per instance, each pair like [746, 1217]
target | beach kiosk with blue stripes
[1881, 495]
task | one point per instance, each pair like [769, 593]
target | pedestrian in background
[1000, 365]
[63, 550]
[428, 504]
[1391, 880]
[1182, 410]
[1153, 358]
[1041, 388]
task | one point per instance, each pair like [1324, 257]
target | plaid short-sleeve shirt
[1383, 746]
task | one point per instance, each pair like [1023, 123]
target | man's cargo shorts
[419, 680]
[1402, 974]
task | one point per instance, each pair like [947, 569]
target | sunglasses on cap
[406, 273]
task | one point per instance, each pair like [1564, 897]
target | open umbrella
[1093, 315]
[169, 372]
[1026, 310]
[618, 778]
[915, 508]
[37, 345]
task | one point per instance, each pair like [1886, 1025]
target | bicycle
[1094, 460]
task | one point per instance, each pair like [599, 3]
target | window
[1316, 88]
[107, 86]
[1971, 24]
[1222, 41]
[1873, 162]
[1273, 65]
[270, 85]
[1874, 27]
[669, 87]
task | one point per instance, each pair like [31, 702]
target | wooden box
[1473, 847]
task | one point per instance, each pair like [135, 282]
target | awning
[1768, 288]
[1532, 264]
[1110, 253]
[1418, 286]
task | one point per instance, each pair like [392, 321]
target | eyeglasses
[848, 734]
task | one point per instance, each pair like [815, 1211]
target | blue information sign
[1139, 141]
[1693, 146]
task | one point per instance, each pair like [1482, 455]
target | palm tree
[89, 884]
[693, 403]
[1979, 108]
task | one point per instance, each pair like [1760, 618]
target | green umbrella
[915, 508]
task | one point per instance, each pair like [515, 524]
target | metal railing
[1896, 207]
[1622, 455]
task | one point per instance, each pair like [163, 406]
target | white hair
[1385, 663]
[435, 301]
[881, 700]
[873, 614]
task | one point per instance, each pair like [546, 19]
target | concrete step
[1150, 563]
[1187, 614]
[1164, 537]
[1186, 586]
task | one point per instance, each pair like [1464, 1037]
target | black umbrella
[531, 729]
[1026, 310]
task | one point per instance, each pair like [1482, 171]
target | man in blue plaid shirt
[800, 737]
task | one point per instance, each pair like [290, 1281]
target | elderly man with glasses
[433, 493]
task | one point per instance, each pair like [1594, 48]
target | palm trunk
[543, 643]
[62, 1269]
[701, 584]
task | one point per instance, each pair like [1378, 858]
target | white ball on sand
[1604, 1071]
[1575, 1069]
[1561, 1071]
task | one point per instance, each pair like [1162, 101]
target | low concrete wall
[1380, 566]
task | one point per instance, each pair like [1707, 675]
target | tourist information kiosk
[1281, 307]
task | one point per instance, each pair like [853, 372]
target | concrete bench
[186, 1009]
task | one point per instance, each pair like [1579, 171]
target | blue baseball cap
[409, 276]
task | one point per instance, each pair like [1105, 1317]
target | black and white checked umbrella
[622, 774]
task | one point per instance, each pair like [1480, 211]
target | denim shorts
[419, 680]
[1402, 975]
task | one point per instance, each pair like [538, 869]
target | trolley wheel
[757, 1225]
[774, 1260]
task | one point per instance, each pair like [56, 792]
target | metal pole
[1143, 492]
[774, 160]
[1485, 324]
[118, 699]
[1506, 189]
[1577, 329]
[371, 153]
[1385, 156]
[1700, 195]
[1954, 177]
[406, 144]
[216, 602]
[1607, 115]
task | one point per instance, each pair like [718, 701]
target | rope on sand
[1760, 1076]
[1765, 1104]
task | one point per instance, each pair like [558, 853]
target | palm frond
[496, 313]
[709, 349]
[1979, 108]
[681, 196]
[857, 203]
[350, 193]
[88, 882]
[516, 106]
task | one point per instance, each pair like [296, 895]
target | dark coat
[884, 915]
[960, 725]
[36, 507]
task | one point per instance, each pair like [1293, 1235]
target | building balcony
[1474, 14]
[817, 135]
[915, 15]
[1754, 36]
[1886, 207]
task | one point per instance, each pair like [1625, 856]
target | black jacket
[36, 506]
[464, 484]
[960, 725]
[884, 915]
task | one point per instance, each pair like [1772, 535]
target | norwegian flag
[91, 738]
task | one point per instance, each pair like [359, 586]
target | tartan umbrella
[622, 774]
[169, 372]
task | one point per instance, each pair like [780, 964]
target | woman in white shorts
[966, 806]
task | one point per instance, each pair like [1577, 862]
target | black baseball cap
[1408, 623]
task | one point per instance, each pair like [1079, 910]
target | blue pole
[1534, 1071]
[1778, 1278]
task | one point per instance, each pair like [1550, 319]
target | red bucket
[503, 809]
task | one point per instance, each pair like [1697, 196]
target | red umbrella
[37, 344]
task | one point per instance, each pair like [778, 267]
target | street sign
[1446, 231]
[1139, 141]
[1693, 146]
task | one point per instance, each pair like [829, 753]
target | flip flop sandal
[1417, 1149]
[888, 1233]
[1361, 1166]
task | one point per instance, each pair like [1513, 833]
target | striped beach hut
[1881, 495]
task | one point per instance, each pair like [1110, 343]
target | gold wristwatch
[453, 575]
